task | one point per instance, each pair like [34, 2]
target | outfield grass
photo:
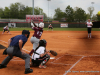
[54, 29]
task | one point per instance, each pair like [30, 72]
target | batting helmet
[42, 43]
[41, 24]
[26, 32]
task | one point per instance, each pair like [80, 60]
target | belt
[14, 46]
[36, 37]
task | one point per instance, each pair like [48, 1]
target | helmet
[41, 25]
[26, 32]
[42, 42]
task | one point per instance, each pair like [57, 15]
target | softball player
[50, 27]
[36, 36]
[6, 28]
[40, 56]
[15, 49]
[89, 27]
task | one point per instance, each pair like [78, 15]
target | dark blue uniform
[14, 50]
[15, 40]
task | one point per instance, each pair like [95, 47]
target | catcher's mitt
[53, 52]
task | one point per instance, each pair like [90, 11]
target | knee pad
[48, 56]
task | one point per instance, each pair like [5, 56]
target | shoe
[28, 70]
[2, 66]
[44, 66]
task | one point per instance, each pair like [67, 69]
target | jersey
[15, 40]
[40, 50]
[89, 24]
[50, 26]
[38, 32]
[6, 28]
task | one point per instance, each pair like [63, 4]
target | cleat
[2, 66]
[28, 70]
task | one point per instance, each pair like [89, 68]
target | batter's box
[68, 59]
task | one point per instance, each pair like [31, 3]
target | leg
[44, 60]
[9, 57]
[90, 32]
[6, 60]
[3, 31]
[9, 32]
[26, 57]
[35, 43]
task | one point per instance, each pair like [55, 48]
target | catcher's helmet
[42, 43]
[26, 32]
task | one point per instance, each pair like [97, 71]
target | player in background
[89, 27]
[38, 30]
[50, 27]
[40, 56]
[6, 28]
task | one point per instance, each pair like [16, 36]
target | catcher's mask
[26, 32]
[42, 43]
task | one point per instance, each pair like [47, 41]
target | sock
[31, 51]
[90, 35]
[9, 32]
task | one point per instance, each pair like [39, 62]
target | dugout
[96, 24]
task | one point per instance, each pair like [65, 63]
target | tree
[98, 17]
[80, 15]
[90, 9]
[69, 14]
[58, 14]
[94, 17]
[14, 10]
[1, 13]
[38, 11]
[7, 12]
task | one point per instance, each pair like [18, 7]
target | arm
[91, 24]
[34, 24]
[41, 55]
[9, 41]
[20, 44]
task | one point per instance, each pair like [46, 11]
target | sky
[54, 4]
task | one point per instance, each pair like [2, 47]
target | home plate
[52, 57]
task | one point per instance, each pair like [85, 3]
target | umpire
[15, 49]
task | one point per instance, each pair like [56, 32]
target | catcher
[40, 56]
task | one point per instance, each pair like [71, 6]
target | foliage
[69, 14]
[80, 15]
[19, 11]
[58, 14]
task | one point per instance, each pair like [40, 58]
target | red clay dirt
[77, 55]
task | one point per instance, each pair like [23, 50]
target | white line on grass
[73, 66]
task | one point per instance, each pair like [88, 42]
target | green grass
[54, 29]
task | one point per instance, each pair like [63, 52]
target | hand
[23, 52]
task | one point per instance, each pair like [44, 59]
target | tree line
[19, 11]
